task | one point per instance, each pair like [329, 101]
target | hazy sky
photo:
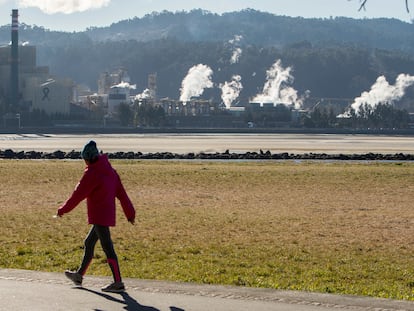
[76, 15]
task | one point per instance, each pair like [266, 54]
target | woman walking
[99, 185]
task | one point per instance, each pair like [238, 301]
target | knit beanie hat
[90, 151]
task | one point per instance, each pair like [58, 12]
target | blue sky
[77, 15]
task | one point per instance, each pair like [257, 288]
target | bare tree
[363, 2]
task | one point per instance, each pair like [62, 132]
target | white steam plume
[236, 39]
[237, 51]
[125, 85]
[382, 93]
[146, 94]
[231, 90]
[63, 6]
[276, 90]
[235, 56]
[197, 79]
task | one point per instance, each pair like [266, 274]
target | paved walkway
[32, 290]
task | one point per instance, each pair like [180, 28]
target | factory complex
[28, 88]
[31, 96]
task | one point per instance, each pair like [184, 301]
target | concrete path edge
[230, 292]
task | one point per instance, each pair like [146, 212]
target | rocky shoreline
[227, 155]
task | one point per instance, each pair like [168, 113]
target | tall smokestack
[14, 60]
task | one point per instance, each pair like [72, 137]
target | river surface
[211, 143]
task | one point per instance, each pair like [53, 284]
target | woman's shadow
[130, 303]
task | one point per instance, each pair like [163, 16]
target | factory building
[28, 86]
[117, 95]
[107, 80]
[27, 66]
[52, 96]
[196, 107]
[113, 89]
[37, 88]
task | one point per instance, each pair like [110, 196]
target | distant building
[113, 89]
[152, 85]
[117, 95]
[52, 96]
[26, 86]
[37, 88]
[107, 80]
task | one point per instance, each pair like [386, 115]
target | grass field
[334, 227]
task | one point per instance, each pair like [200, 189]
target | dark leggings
[102, 234]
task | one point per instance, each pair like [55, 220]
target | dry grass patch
[327, 227]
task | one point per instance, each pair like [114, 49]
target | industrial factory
[28, 87]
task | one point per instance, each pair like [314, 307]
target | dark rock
[261, 155]
[73, 155]
[9, 154]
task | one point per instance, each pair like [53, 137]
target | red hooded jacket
[100, 185]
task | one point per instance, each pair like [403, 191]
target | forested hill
[258, 28]
[263, 29]
[338, 57]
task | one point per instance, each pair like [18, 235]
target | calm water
[183, 143]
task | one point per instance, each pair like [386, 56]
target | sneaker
[116, 287]
[75, 277]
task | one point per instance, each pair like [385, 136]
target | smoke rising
[237, 51]
[63, 6]
[197, 79]
[146, 94]
[231, 90]
[125, 85]
[382, 93]
[276, 89]
[236, 56]
[236, 39]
